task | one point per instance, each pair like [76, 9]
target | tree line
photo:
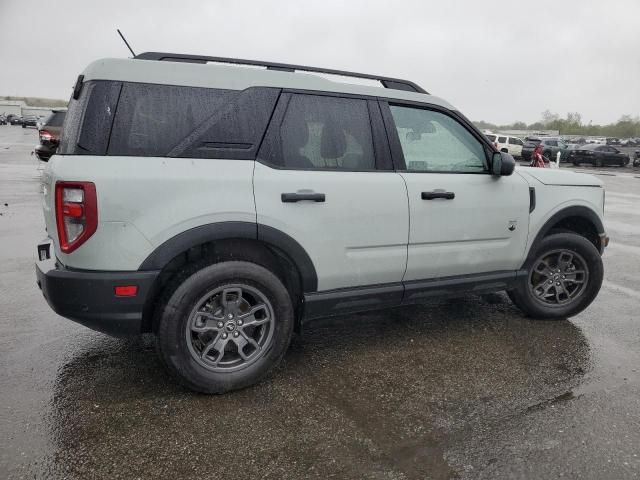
[625, 127]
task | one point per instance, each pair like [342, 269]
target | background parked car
[598, 155]
[636, 158]
[30, 121]
[551, 146]
[50, 135]
[14, 119]
[505, 143]
[3, 120]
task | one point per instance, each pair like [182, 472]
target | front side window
[502, 139]
[434, 142]
[329, 133]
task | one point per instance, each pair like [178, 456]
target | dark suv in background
[14, 119]
[550, 148]
[50, 135]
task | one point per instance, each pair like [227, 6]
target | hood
[551, 176]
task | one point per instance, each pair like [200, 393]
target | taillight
[45, 136]
[76, 213]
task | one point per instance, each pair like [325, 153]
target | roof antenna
[125, 42]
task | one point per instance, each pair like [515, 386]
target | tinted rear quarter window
[175, 121]
[136, 119]
[88, 120]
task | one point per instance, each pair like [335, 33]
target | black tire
[174, 336]
[584, 251]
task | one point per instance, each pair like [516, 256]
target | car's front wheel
[224, 326]
[563, 276]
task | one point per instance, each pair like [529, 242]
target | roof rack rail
[393, 83]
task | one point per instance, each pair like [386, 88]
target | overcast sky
[498, 61]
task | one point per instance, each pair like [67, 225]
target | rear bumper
[88, 297]
[44, 152]
[604, 242]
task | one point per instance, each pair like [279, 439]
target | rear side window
[491, 138]
[502, 139]
[174, 121]
[322, 132]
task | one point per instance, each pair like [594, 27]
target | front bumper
[88, 297]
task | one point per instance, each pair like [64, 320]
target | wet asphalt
[465, 388]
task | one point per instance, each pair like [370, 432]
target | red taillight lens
[76, 213]
[45, 136]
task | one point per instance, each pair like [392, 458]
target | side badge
[512, 225]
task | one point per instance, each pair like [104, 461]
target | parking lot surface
[464, 388]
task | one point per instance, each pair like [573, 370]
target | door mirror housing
[502, 164]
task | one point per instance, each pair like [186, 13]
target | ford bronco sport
[220, 207]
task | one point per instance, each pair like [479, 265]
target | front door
[463, 219]
[324, 177]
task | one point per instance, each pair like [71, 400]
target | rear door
[463, 219]
[324, 177]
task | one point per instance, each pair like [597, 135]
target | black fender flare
[211, 232]
[575, 211]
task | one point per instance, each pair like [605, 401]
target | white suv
[507, 144]
[221, 207]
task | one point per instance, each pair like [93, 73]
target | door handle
[438, 194]
[299, 197]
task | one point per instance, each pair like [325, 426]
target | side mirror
[502, 164]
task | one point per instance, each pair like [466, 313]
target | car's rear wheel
[224, 326]
[564, 275]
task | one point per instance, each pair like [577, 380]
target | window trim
[396, 146]
[383, 158]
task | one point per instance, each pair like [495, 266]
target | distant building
[9, 107]
[19, 107]
[531, 133]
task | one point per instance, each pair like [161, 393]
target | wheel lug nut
[558, 284]
[224, 335]
[230, 316]
[240, 322]
[235, 334]
[220, 324]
